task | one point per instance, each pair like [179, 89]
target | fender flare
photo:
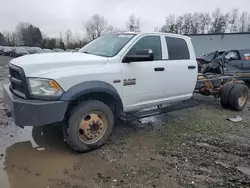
[89, 87]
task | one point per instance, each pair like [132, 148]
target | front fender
[89, 87]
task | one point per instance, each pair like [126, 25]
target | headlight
[44, 88]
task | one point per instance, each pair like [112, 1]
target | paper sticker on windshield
[126, 36]
[247, 56]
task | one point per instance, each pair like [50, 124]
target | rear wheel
[90, 125]
[238, 97]
[224, 95]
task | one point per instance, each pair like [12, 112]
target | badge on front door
[128, 82]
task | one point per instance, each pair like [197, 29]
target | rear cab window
[177, 48]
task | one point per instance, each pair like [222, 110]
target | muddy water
[8, 138]
[38, 157]
[28, 155]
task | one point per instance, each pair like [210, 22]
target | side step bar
[143, 114]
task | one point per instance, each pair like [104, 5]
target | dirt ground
[195, 147]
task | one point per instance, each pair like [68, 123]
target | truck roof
[158, 33]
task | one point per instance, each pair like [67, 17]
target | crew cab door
[234, 61]
[245, 56]
[181, 68]
[144, 81]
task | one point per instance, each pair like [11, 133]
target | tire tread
[74, 113]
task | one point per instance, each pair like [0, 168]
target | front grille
[17, 81]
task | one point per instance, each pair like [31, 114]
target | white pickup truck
[110, 77]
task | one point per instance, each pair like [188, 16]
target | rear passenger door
[181, 68]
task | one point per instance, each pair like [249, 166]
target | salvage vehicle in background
[28, 48]
[1, 50]
[69, 50]
[36, 50]
[57, 50]
[116, 76]
[7, 50]
[45, 50]
[18, 51]
[232, 62]
[219, 73]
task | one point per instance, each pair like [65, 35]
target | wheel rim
[92, 127]
[243, 98]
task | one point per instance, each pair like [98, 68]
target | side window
[148, 42]
[232, 56]
[177, 48]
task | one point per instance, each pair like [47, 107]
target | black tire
[77, 114]
[224, 95]
[239, 91]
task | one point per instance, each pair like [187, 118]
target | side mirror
[139, 55]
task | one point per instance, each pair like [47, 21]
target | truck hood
[38, 64]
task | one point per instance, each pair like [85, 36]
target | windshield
[107, 45]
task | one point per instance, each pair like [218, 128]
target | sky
[55, 16]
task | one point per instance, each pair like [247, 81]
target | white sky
[55, 16]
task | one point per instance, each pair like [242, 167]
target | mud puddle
[30, 156]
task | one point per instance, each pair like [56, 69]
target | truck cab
[112, 75]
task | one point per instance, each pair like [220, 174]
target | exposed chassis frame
[205, 84]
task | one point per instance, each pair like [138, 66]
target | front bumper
[33, 112]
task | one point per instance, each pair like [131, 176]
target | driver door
[144, 81]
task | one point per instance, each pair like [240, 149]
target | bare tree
[2, 39]
[195, 24]
[179, 24]
[10, 38]
[170, 25]
[205, 21]
[219, 22]
[97, 26]
[233, 21]
[68, 36]
[248, 24]
[7, 38]
[22, 32]
[187, 23]
[244, 21]
[157, 29]
[29, 35]
[133, 23]
[13, 39]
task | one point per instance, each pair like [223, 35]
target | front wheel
[90, 125]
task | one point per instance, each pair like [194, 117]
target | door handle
[159, 69]
[191, 67]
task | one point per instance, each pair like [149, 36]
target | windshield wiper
[86, 52]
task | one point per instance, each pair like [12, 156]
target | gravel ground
[195, 147]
